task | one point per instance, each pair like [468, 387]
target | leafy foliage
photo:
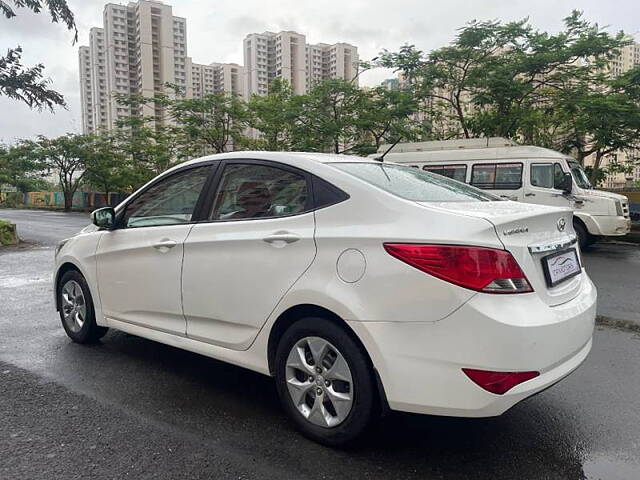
[28, 84]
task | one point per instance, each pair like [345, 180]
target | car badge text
[515, 230]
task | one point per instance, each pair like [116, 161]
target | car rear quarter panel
[389, 290]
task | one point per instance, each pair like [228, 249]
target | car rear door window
[249, 191]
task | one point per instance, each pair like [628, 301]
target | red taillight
[498, 382]
[478, 268]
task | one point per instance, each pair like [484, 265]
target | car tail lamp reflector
[498, 382]
[482, 269]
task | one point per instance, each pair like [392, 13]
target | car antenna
[381, 157]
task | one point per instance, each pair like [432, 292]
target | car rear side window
[414, 184]
[497, 176]
[249, 191]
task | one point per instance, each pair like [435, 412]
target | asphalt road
[129, 407]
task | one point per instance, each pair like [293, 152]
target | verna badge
[515, 230]
[561, 225]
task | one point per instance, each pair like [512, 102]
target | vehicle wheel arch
[300, 311]
[589, 237]
[64, 268]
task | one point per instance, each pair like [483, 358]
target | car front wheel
[76, 309]
[325, 382]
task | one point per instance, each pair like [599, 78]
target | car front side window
[171, 201]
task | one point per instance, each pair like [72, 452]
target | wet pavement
[132, 407]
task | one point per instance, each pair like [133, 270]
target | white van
[523, 173]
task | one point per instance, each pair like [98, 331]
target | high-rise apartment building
[141, 47]
[272, 55]
[216, 78]
[86, 99]
[327, 62]
[286, 55]
[98, 87]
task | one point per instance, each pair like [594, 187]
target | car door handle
[529, 194]
[286, 237]
[165, 244]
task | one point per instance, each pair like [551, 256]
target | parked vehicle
[358, 285]
[523, 173]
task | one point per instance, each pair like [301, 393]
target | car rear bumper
[420, 363]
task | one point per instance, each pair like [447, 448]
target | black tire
[364, 400]
[90, 332]
[584, 238]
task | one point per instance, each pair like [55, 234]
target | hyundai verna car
[359, 285]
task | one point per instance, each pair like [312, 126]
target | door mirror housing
[104, 218]
[567, 183]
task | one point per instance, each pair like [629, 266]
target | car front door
[258, 240]
[139, 263]
[544, 185]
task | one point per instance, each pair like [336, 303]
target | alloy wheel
[319, 382]
[74, 307]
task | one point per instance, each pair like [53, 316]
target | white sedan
[359, 285]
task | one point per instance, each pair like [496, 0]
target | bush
[8, 235]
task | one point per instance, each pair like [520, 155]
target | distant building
[286, 55]
[216, 78]
[86, 99]
[141, 47]
[328, 62]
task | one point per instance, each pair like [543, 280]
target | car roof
[293, 158]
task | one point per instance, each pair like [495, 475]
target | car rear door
[257, 241]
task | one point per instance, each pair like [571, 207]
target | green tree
[19, 168]
[106, 167]
[27, 84]
[147, 147]
[516, 91]
[384, 116]
[212, 124]
[327, 119]
[274, 115]
[66, 157]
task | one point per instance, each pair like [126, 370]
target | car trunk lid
[531, 233]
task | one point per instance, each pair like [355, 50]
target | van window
[457, 172]
[547, 175]
[497, 176]
[414, 184]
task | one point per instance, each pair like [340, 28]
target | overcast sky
[216, 28]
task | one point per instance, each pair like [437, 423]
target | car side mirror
[104, 218]
[567, 183]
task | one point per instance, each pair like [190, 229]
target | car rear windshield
[414, 184]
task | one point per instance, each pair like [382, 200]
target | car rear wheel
[325, 382]
[76, 309]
